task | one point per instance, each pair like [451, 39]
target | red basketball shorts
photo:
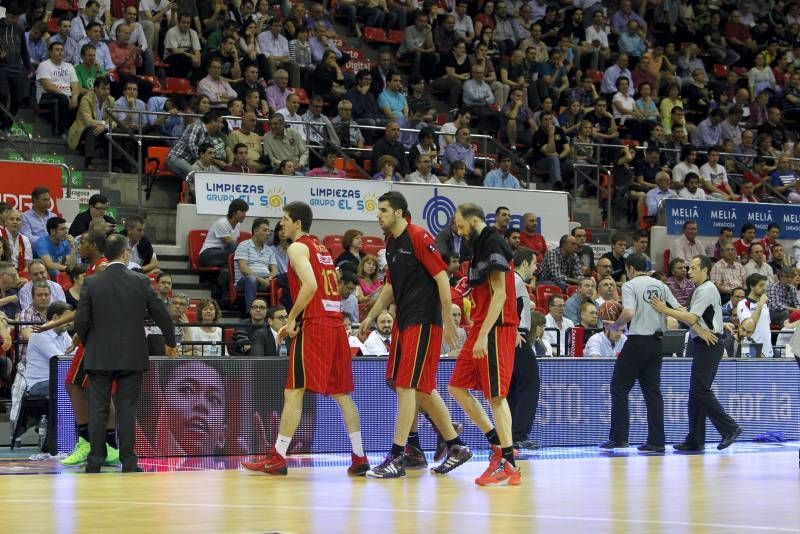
[492, 373]
[320, 359]
[414, 357]
[76, 374]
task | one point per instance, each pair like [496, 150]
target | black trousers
[62, 116]
[702, 401]
[12, 91]
[523, 392]
[640, 360]
[129, 386]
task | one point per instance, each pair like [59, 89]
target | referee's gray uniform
[640, 360]
[706, 305]
[523, 392]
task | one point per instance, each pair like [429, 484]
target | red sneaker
[358, 466]
[272, 464]
[504, 474]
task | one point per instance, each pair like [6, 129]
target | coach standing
[641, 356]
[705, 319]
[110, 323]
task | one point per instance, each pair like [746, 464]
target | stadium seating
[196, 239]
[543, 292]
[372, 244]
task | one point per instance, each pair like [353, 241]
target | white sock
[358, 447]
[282, 445]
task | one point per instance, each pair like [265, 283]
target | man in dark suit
[110, 324]
[265, 339]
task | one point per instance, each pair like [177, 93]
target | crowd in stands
[709, 94]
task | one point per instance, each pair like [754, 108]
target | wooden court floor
[721, 492]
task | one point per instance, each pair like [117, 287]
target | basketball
[610, 310]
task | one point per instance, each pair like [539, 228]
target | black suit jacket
[264, 343]
[110, 319]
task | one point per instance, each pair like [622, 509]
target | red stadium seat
[65, 5]
[543, 292]
[571, 290]
[302, 96]
[244, 236]
[333, 243]
[179, 86]
[666, 261]
[372, 244]
[196, 239]
[595, 75]
[275, 293]
[720, 71]
[157, 155]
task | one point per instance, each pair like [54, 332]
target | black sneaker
[527, 444]
[441, 444]
[610, 444]
[728, 440]
[457, 455]
[653, 449]
[688, 447]
[413, 458]
[392, 467]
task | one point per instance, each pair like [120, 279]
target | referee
[705, 318]
[523, 393]
[640, 358]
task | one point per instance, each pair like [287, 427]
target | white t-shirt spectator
[761, 334]
[627, 102]
[600, 346]
[62, 76]
[716, 176]
[221, 228]
[175, 39]
[698, 194]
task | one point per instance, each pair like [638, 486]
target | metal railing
[145, 117]
[28, 135]
[598, 165]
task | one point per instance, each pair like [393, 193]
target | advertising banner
[354, 200]
[431, 206]
[574, 407]
[19, 180]
[711, 215]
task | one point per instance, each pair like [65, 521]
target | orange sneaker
[358, 466]
[504, 474]
[272, 464]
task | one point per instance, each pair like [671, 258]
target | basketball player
[92, 245]
[523, 394]
[705, 319]
[319, 354]
[417, 282]
[641, 356]
[486, 360]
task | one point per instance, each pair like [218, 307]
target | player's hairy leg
[433, 404]
[80, 404]
[502, 420]
[472, 407]
[292, 411]
[406, 414]
[349, 412]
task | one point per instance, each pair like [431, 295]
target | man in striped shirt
[254, 263]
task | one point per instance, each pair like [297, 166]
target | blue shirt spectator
[458, 152]
[502, 177]
[395, 101]
[58, 252]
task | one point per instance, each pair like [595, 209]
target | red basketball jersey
[326, 302]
